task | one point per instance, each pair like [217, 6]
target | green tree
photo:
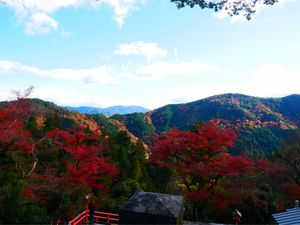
[133, 176]
[289, 156]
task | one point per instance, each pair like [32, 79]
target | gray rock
[152, 208]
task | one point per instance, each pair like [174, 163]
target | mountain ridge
[261, 123]
[108, 111]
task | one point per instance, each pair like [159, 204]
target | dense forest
[52, 157]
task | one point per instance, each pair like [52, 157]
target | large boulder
[152, 208]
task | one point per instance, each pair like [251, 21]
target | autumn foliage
[200, 156]
[13, 135]
[84, 163]
[204, 170]
[46, 166]
[54, 168]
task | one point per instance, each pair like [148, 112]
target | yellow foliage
[40, 122]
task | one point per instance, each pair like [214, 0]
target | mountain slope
[260, 122]
[61, 117]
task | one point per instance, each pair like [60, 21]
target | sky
[145, 52]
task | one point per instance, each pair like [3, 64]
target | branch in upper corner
[233, 7]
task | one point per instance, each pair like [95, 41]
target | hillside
[41, 106]
[61, 117]
[261, 123]
[52, 157]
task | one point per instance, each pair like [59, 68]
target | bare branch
[36, 160]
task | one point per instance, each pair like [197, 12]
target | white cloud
[5, 94]
[70, 97]
[163, 69]
[275, 80]
[175, 52]
[44, 6]
[104, 74]
[149, 50]
[37, 17]
[272, 80]
[73, 97]
[66, 34]
[122, 9]
[192, 93]
[40, 23]
[97, 75]
[61, 96]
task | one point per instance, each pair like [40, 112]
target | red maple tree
[81, 169]
[200, 162]
[16, 143]
[13, 134]
[85, 164]
[54, 165]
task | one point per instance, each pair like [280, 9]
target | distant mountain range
[109, 111]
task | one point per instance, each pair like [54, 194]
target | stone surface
[152, 208]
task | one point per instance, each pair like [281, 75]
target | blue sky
[145, 52]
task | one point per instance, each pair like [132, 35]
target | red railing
[79, 219]
[83, 218]
[110, 218]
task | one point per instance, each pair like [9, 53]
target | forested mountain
[109, 111]
[51, 158]
[261, 123]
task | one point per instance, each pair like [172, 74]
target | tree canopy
[207, 173]
[233, 7]
[289, 156]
